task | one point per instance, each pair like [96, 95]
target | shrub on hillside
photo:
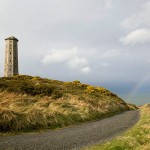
[90, 89]
[76, 82]
[56, 94]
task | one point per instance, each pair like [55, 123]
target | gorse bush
[90, 89]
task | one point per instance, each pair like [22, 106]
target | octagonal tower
[11, 57]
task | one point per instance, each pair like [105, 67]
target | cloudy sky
[100, 42]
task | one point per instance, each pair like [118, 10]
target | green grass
[32, 103]
[137, 138]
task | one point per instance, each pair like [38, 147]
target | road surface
[73, 137]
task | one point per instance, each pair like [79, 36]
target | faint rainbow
[140, 84]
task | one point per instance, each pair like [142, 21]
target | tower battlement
[11, 57]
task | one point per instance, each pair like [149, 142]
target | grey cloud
[93, 26]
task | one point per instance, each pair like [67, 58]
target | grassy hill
[28, 103]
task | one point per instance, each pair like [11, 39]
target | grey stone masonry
[11, 57]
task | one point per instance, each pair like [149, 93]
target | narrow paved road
[73, 137]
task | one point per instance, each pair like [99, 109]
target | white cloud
[70, 58]
[139, 19]
[137, 36]
[59, 55]
[76, 62]
[86, 70]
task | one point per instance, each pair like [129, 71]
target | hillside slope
[28, 103]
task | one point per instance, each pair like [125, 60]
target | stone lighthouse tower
[11, 57]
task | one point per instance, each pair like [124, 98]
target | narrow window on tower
[10, 46]
[10, 60]
[10, 53]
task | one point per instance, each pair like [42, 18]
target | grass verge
[137, 138]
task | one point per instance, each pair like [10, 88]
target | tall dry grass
[24, 112]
